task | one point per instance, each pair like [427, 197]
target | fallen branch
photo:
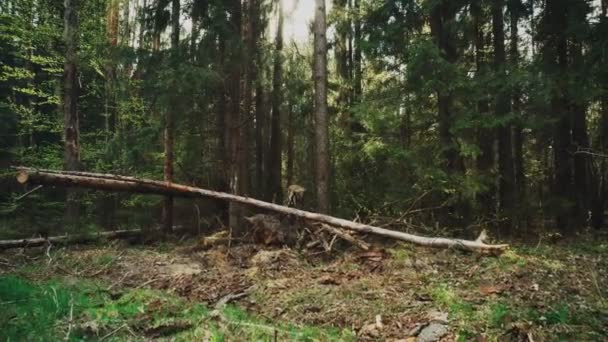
[130, 184]
[63, 239]
[347, 237]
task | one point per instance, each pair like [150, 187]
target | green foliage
[43, 311]
[30, 311]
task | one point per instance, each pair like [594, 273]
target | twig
[346, 236]
[105, 267]
[119, 281]
[597, 286]
[29, 193]
[331, 243]
[67, 336]
[48, 251]
[153, 280]
[113, 332]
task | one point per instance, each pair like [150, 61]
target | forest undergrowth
[168, 291]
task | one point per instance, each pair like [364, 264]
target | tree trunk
[260, 145]
[37, 242]
[555, 57]
[70, 106]
[126, 33]
[112, 21]
[506, 174]
[246, 93]
[169, 133]
[357, 59]
[486, 138]
[233, 122]
[142, 26]
[341, 54]
[290, 145]
[580, 138]
[442, 18]
[110, 182]
[275, 159]
[321, 115]
[518, 135]
[600, 179]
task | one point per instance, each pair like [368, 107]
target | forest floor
[251, 292]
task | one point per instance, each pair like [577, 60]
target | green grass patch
[41, 312]
[30, 312]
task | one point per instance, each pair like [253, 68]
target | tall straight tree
[71, 130]
[442, 20]
[233, 120]
[600, 196]
[169, 138]
[516, 10]
[555, 64]
[357, 54]
[275, 161]
[320, 103]
[506, 182]
[249, 42]
[578, 109]
[486, 135]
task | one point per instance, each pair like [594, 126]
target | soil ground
[254, 292]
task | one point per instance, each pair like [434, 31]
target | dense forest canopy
[460, 113]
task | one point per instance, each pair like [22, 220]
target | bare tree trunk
[442, 17]
[275, 159]
[341, 55]
[555, 57]
[518, 135]
[506, 174]
[357, 59]
[70, 106]
[290, 145]
[233, 121]
[600, 179]
[260, 145]
[580, 138]
[112, 21]
[486, 136]
[169, 133]
[321, 115]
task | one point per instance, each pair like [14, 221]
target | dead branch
[347, 237]
[130, 184]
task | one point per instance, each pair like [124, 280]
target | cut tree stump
[109, 182]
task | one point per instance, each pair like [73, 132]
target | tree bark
[321, 115]
[515, 9]
[358, 55]
[486, 136]
[71, 133]
[36, 242]
[169, 134]
[578, 111]
[290, 146]
[275, 162]
[555, 60]
[506, 174]
[233, 119]
[441, 21]
[108, 182]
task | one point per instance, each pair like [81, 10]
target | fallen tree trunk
[131, 184]
[63, 239]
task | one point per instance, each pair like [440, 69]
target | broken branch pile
[110, 182]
